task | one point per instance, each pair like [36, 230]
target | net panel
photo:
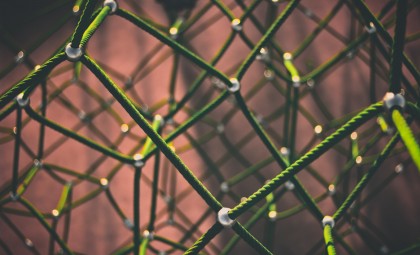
[132, 135]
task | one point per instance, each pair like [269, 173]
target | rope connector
[289, 185]
[38, 163]
[224, 219]
[392, 101]
[399, 168]
[20, 56]
[112, 4]
[236, 25]
[236, 86]
[22, 102]
[371, 29]
[148, 235]
[138, 160]
[161, 120]
[104, 183]
[328, 220]
[224, 187]
[287, 56]
[73, 54]
[264, 55]
[14, 196]
[296, 81]
[128, 223]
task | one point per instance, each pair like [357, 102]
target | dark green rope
[306, 159]
[398, 47]
[204, 239]
[83, 23]
[366, 178]
[329, 242]
[32, 79]
[163, 146]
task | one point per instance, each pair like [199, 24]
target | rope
[221, 90]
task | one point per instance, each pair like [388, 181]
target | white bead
[128, 224]
[263, 55]
[331, 190]
[22, 102]
[285, 152]
[289, 185]
[236, 25]
[76, 10]
[73, 54]
[392, 100]
[235, 85]
[318, 129]
[138, 160]
[159, 118]
[55, 213]
[124, 128]
[220, 128]
[399, 168]
[296, 81]
[287, 56]
[308, 13]
[269, 75]
[14, 196]
[104, 183]
[328, 220]
[371, 29]
[384, 249]
[350, 54]
[112, 4]
[224, 187]
[82, 115]
[310, 83]
[37, 163]
[272, 215]
[29, 242]
[19, 57]
[223, 217]
[148, 235]
[173, 32]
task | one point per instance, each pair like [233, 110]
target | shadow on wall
[86, 193]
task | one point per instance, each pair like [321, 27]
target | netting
[211, 127]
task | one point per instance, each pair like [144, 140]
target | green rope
[306, 159]
[31, 79]
[83, 23]
[194, 108]
[91, 29]
[204, 239]
[266, 37]
[135, 114]
[41, 219]
[398, 47]
[407, 137]
[173, 44]
[329, 242]
[366, 178]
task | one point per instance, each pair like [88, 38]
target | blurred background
[347, 69]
